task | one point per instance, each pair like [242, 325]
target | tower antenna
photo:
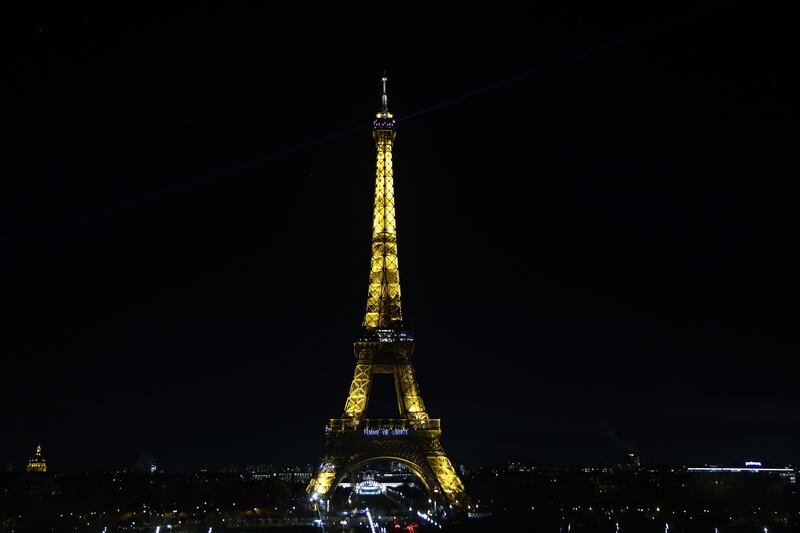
[384, 97]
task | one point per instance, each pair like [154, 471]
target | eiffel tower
[385, 347]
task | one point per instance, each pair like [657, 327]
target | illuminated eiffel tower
[385, 347]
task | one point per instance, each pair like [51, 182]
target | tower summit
[384, 347]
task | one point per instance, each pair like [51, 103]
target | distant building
[296, 474]
[633, 461]
[516, 466]
[37, 462]
[145, 464]
[750, 467]
[260, 469]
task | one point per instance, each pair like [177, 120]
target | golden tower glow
[383, 300]
[37, 462]
[386, 348]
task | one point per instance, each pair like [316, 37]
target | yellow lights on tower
[357, 398]
[37, 462]
[385, 347]
[322, 483]
[383, 300]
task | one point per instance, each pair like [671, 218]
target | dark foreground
[576, 500]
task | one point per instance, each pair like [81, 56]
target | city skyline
[595, 227]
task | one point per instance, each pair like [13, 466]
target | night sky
[597, 231]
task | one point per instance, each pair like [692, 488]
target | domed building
[37, 462]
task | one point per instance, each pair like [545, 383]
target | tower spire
[384, 97]
[383, 300]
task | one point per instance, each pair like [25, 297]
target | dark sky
[597, 255]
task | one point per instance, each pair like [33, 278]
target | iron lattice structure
[386, 348]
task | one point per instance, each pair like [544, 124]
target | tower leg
[357, 399]
[448, 479]
[409, 390]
